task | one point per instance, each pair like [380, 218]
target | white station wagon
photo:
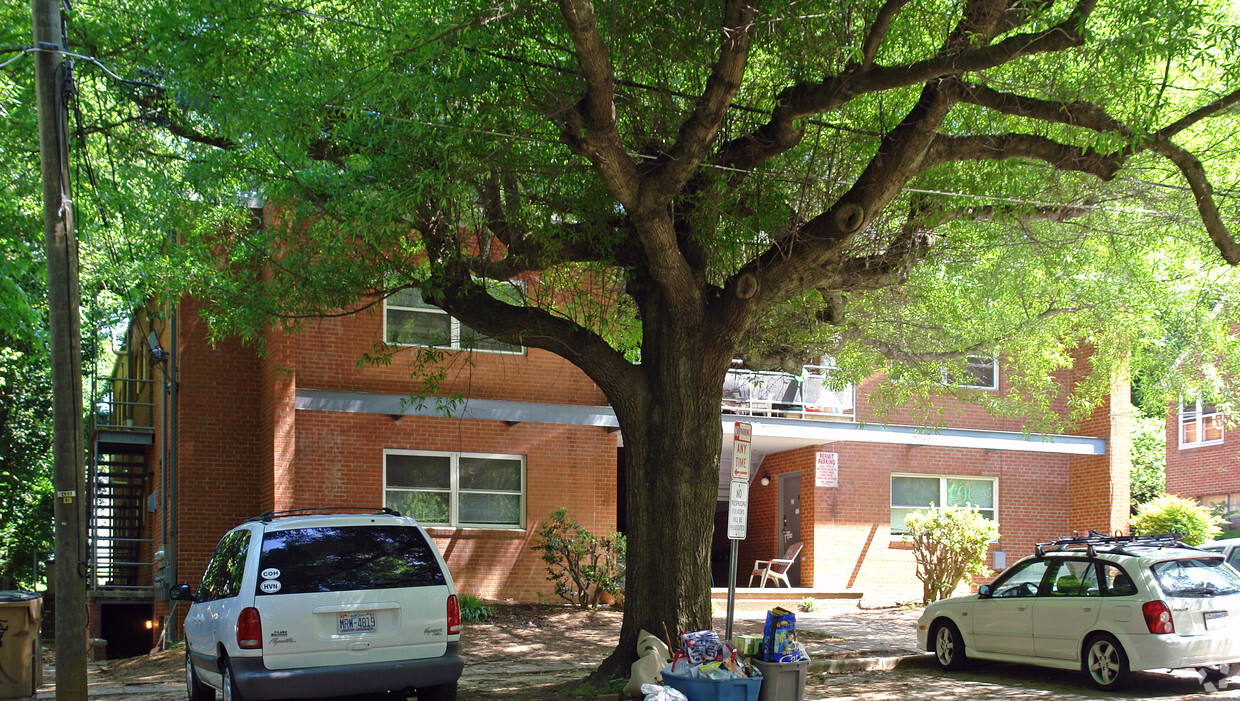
[1107, 605]
[299, 606]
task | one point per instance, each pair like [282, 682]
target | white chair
[777, 568]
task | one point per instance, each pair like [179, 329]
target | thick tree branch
[452, 287]
[995, 147]
[592, 130]
[782, 133]
[698, 132]
[1203, 192]
[1093, 117]
[878, 31]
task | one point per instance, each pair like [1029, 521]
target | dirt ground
[527, 652]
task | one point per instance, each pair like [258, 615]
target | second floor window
[409, 321]
[1201, 423]
[980, 372]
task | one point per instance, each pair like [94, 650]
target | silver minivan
[313, 605]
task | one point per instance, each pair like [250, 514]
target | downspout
[174, 520]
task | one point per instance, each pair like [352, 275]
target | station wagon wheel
[1105, 662]
[230, 685]
[948, 645]
[196, 690]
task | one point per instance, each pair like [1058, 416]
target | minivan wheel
[443, 692]
[948, 645]
[1105, 662]
[230, 685]
[196, 690]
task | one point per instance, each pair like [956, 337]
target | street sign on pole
[738, 510]
[741, 438]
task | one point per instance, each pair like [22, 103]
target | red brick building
[1202, 456]
[202, 436]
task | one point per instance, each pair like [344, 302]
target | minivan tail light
[1158, 617]
[454, 615]
[249, 630]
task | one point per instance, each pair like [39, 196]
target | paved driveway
[919, 678]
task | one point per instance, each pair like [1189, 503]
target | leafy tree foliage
[949, 545]
[897, 184]
[1149, 459]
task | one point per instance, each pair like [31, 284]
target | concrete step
[754, 599]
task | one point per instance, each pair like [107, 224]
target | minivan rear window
[1197, 577]
[346, 558]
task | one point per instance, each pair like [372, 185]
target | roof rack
[270, 516]
[1091, 542]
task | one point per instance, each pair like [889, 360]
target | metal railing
[779, 394]
[128, 403]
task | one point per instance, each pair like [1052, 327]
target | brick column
[1098, 485]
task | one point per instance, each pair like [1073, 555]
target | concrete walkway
[846, 639]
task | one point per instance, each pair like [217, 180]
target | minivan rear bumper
[256, 682]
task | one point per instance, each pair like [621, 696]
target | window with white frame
[911, 493]
[979, 372]
[410, 321]
[1200, 423]
[471, 490]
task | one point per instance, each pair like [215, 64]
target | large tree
[898, 184]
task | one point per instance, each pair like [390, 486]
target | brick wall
[220, 456]
[328, 351]
[339, 460]
[1201, 471]
[847, 529]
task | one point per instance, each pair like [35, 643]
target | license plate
[1216, 620]
[362, 622]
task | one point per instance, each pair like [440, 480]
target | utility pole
[64, 325]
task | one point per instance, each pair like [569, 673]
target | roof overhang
[770, 435]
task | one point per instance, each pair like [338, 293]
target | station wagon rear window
[1197, 577]
[346, 558]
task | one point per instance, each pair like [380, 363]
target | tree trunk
[672, 441]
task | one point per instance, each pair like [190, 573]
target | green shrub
[949, 545]
[472, 609]
[1167, 513]
[581, 565]
[809, 604]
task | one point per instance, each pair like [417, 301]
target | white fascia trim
[825, 432]
[804, 432]
[478, 409]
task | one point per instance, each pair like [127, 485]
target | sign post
[738, 508]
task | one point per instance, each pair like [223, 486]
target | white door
[1067, 611]
[1003, 622]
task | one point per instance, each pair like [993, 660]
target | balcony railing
[126, 403]
[778, 394]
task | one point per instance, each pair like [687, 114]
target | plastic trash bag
[654, 692]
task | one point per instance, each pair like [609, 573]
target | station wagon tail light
[1158, 617]
[249, 630]
[454, 615]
